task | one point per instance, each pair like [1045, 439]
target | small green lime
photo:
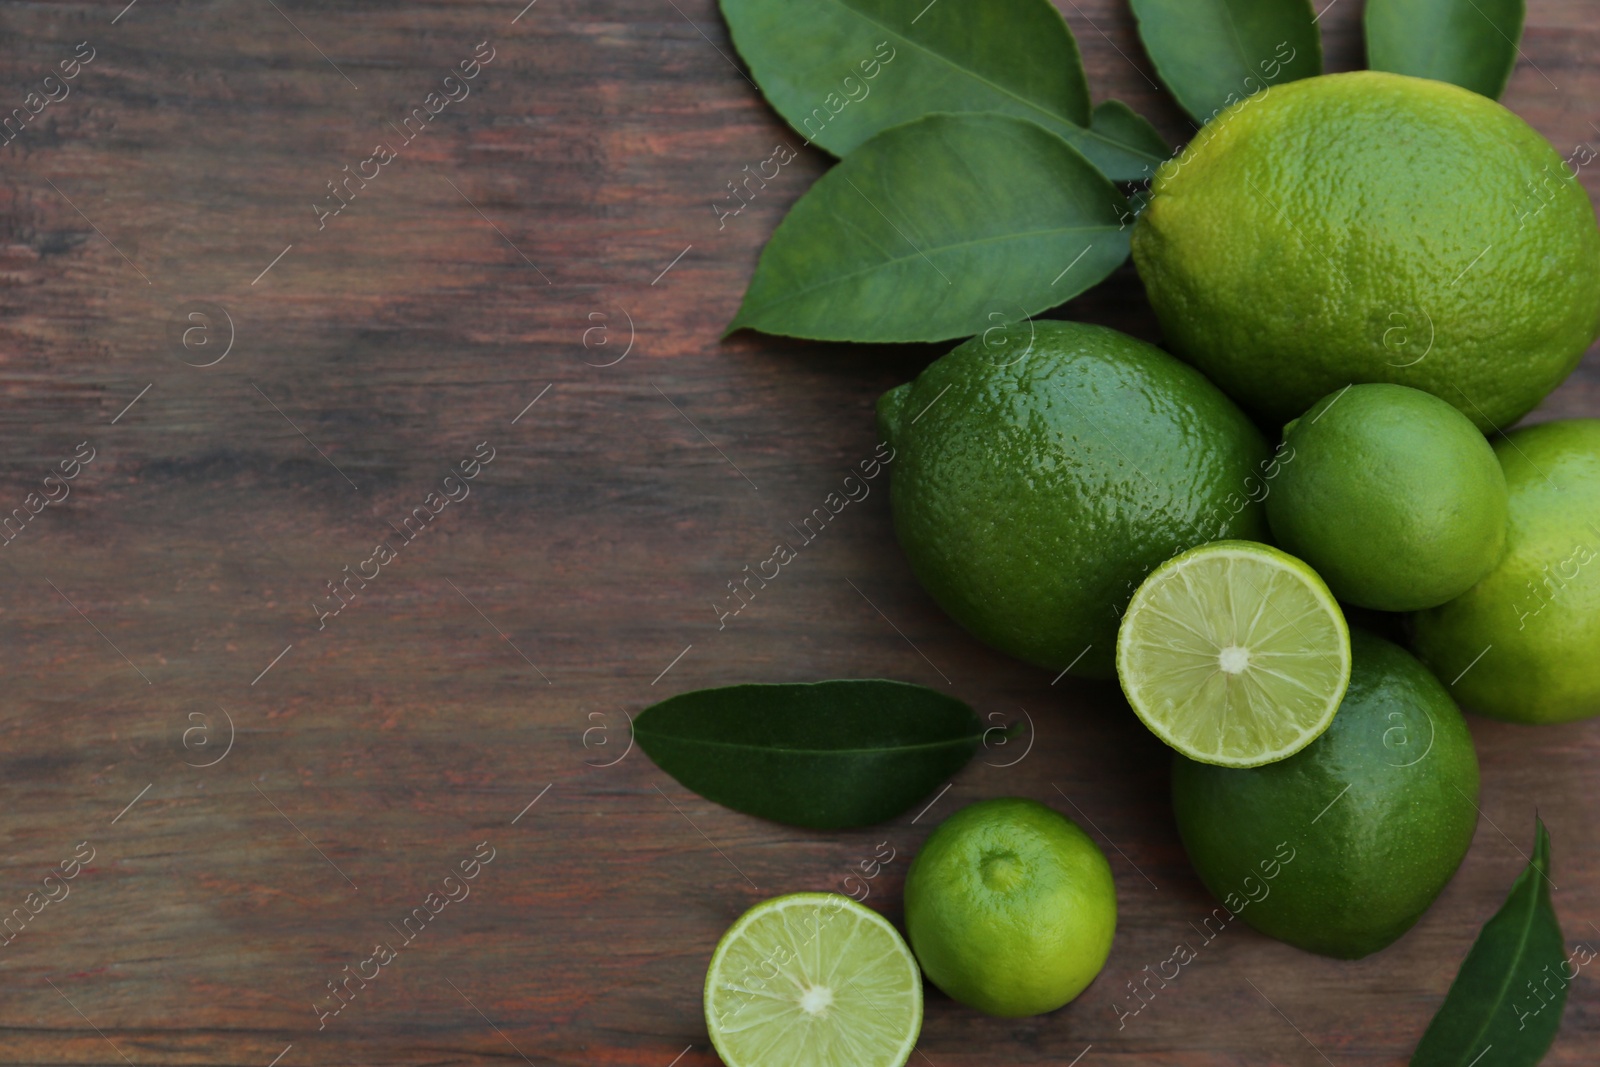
[1372, 227]
[1392, 495]
[1010, 907]
[1521, 644]
[1340, 848]
[1041, 473]
[813, 980]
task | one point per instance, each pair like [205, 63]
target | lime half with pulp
[813, 980]
[1234, 653]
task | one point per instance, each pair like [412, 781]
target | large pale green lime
[1340, 848]
[1524, 643]
[1042, 472]
[1372, 227]
[1010, 907]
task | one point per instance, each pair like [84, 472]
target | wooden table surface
[267, 788]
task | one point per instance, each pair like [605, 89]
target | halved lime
[813, 980]
[1234, 653]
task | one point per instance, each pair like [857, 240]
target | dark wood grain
[487, 663]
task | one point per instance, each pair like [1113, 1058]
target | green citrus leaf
[842, 71]
[1118, 122]
[1120, 143]
[826, 755]
[1471, 43]
[939, 229]
[1211, 53]
[1512, 987]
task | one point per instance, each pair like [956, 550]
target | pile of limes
[1360, 290]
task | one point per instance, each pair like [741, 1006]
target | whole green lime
[1340, 848]
[1521, 645]
[1010, 908]
[1042, 472]
[1392, 495]
[1372, 227]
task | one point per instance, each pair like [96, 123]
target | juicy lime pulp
[813, 980]
[1234, 653]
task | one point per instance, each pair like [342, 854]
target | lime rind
[813, 980]
[1234, 653]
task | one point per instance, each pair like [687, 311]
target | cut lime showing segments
[813, 980]
[1234, 653]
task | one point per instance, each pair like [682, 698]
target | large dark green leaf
[841, 71]
[828, 755]
[1211, 53]
[1472, 43]
[1512, 988]
[939, 229]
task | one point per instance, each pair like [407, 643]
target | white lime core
[815, 1000]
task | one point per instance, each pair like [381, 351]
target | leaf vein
[897, 260]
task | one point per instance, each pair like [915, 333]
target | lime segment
[813, 980]
[1234, 653]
